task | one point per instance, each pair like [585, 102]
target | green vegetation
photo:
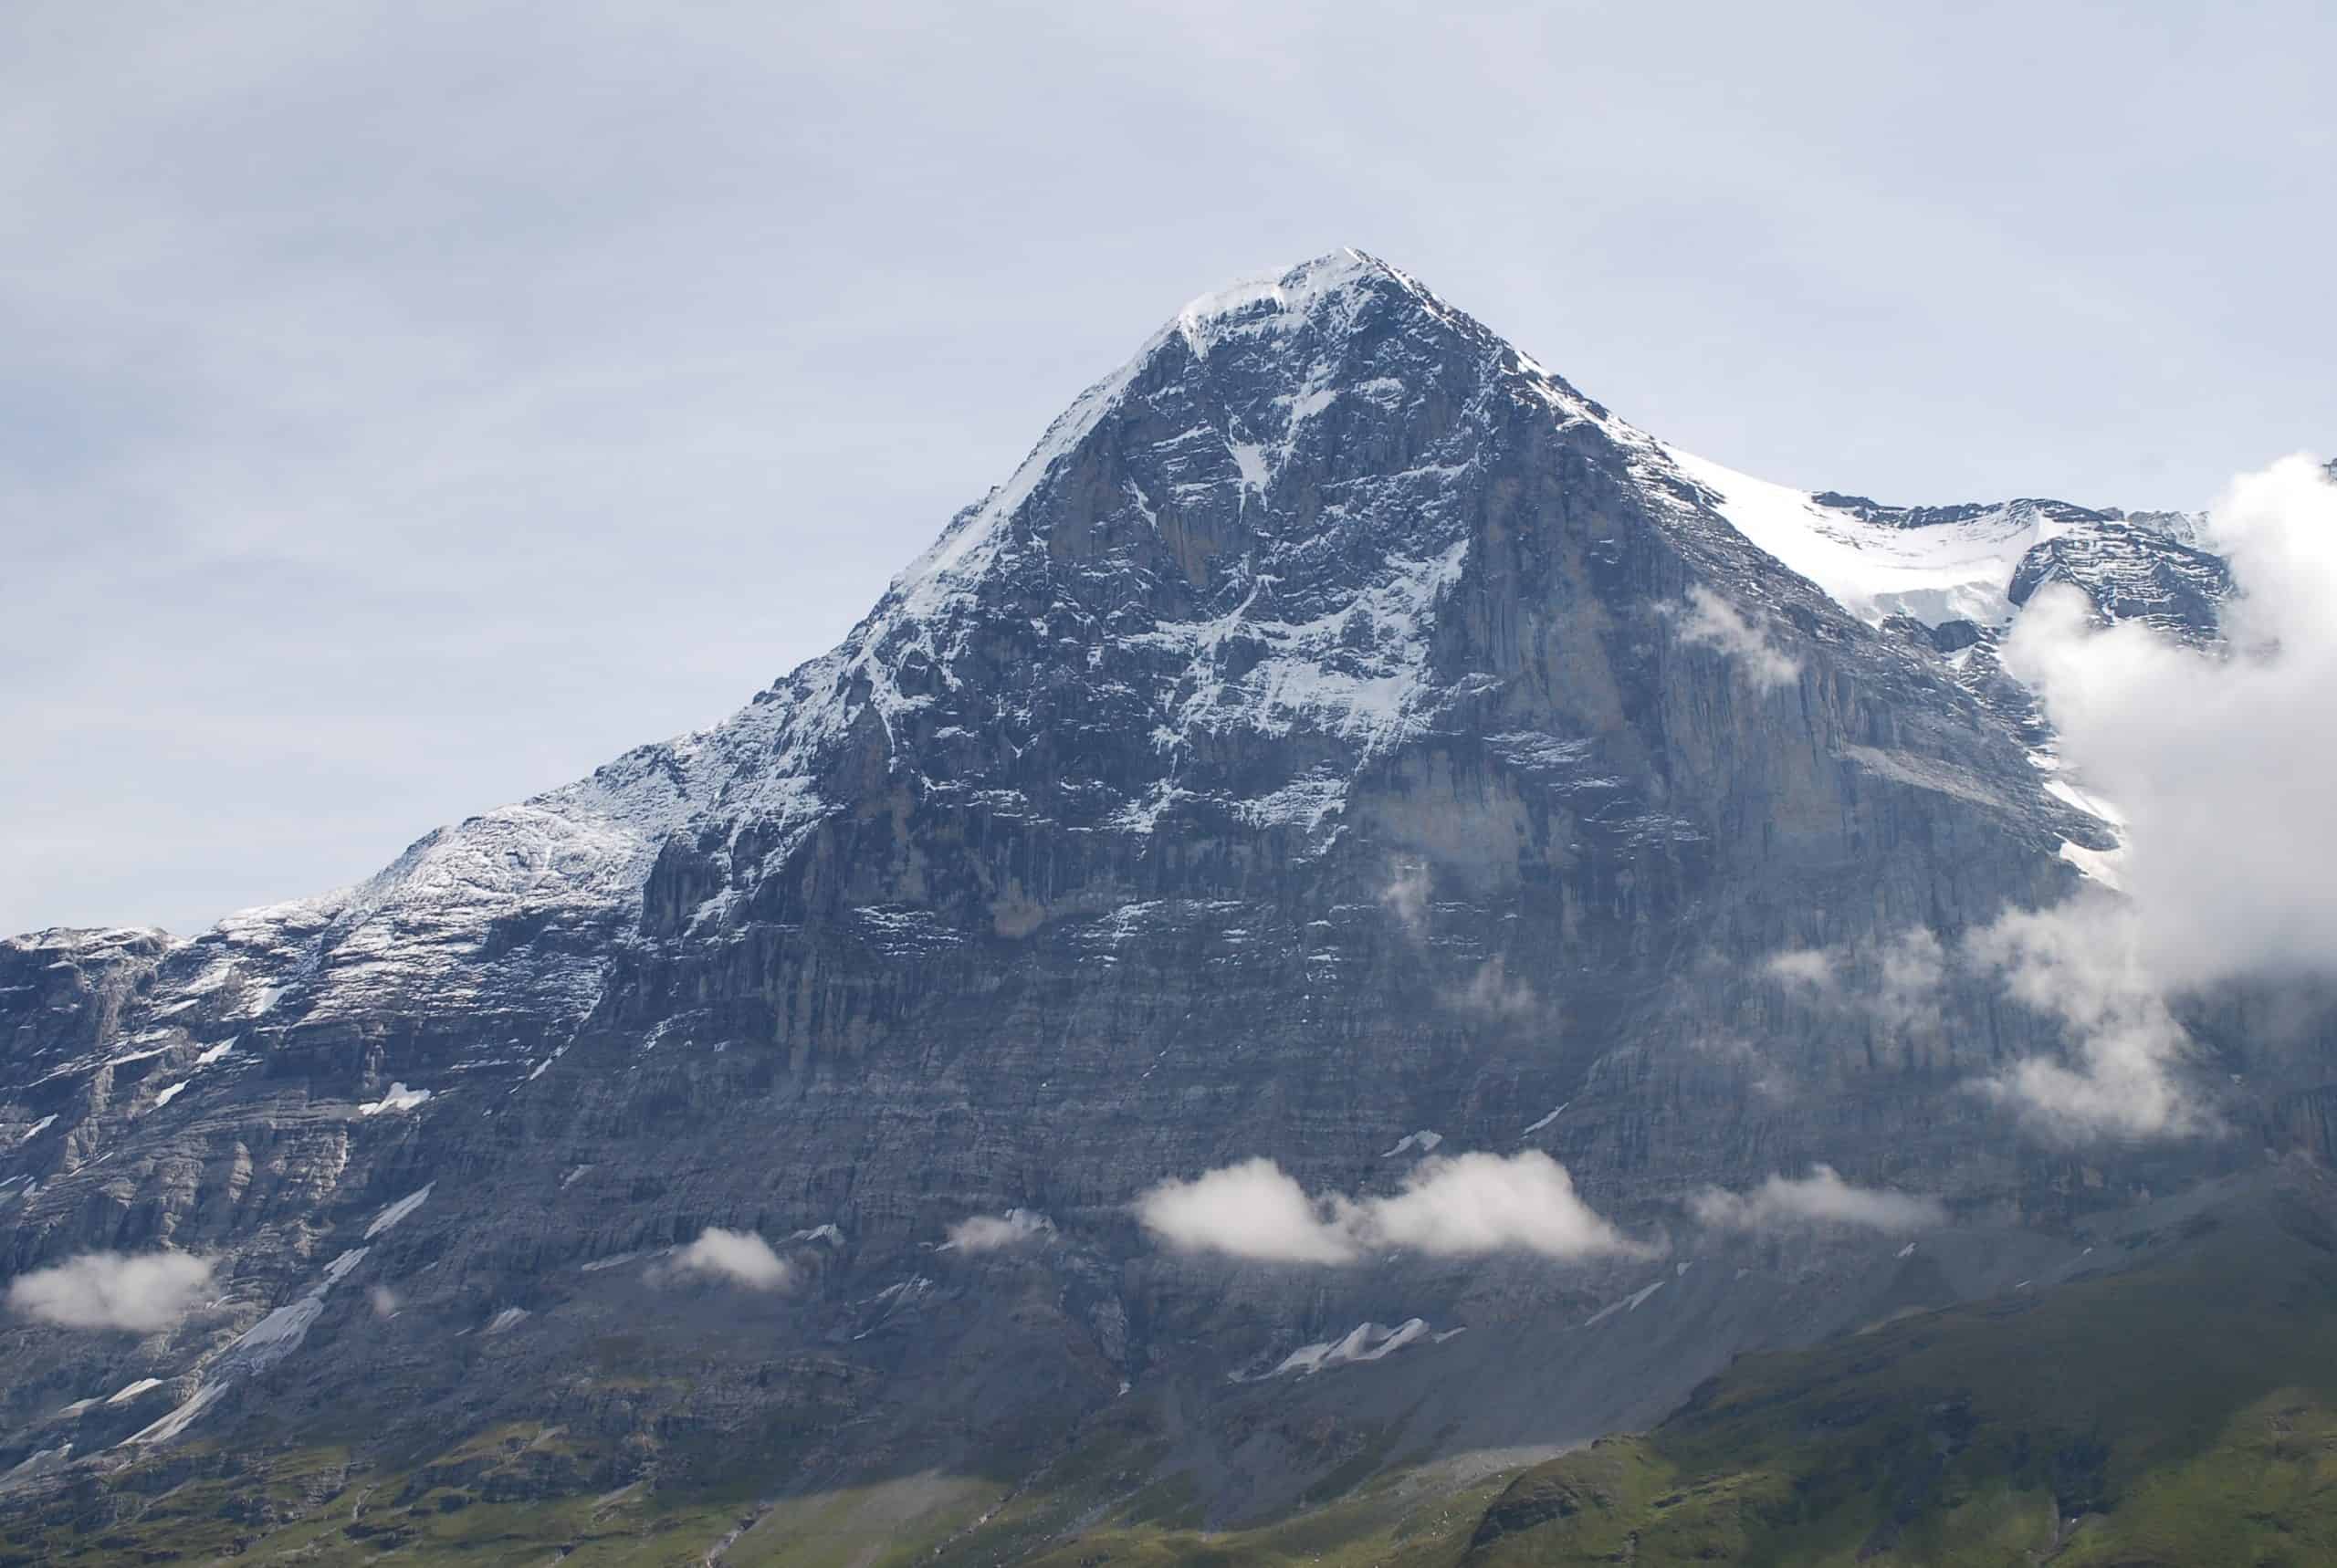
[479, 1504]
[2180, 1413]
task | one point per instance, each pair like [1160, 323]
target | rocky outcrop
[2133, 572]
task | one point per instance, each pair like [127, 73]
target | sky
[404, 409]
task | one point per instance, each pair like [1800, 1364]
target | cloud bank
[1466, 1205]
[738, 1257]
[2220, 764]
[136, 1292]
[1820, 1198]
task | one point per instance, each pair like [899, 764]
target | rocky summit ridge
[1339, 741]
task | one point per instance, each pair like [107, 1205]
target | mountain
[1341, 742]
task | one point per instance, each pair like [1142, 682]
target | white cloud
[1246, 1210]
[995, 1232]
[1467, 1205]
[383, 1300]
[1478, 1203]
[740, 1256]
[2220, 765]
[1821, 1198]
[140, 1292]
[1709, 619]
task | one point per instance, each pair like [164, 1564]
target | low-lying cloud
[136, 1292]
[1897, 980]
[2220, 764]
[2080, 962]
[1246, 1210]
[1711, 620]
[996, 1232]
[1481, 1203]
[1465, 1205]
[2085, 962]
[736, 1257]
[1820, 1198]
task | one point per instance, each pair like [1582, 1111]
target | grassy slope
[310, 1507]
[2183, 1412]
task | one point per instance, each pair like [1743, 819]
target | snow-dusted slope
[1940, 564]
[1952, 571]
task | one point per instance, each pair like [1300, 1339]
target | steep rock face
[1339, 728]
[2133, 572]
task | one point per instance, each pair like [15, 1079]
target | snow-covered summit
[1281, 301]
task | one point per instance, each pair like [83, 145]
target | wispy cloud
[1896, 979]
[1491, 993]
[1713, 620]
[2085, 963]
[1466, 1205]
[1406, 895]
[1811, 966]
[995, 1232]
[138, 1292]
[1820, 1198]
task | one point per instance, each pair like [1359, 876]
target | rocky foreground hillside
[1341, 743]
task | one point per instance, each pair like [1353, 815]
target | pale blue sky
[405, 408]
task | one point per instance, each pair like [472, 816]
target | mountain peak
[1280, 301]
[1243, 370]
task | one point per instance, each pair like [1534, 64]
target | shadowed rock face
[1321, 738]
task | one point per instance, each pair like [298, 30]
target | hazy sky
[404, 408]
